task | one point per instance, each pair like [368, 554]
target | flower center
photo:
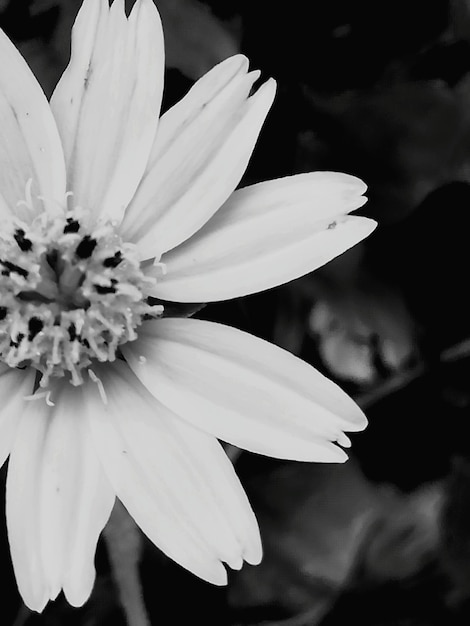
[71, 294]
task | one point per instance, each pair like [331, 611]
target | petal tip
[342, 457]
[219, 577]
[270, 86]
[37, 604]
[144, 9]
[237, 63]
[368, 224]
[78, 590]
[359, 421]
[254, 554]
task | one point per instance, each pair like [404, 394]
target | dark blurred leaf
[459, 22]
[456, 531]
[195, 40]
[431, 263]
[340, 44]
[363, 327]
[406, 537]
[313, 519]
[124, 541]
[290, 320]
[404, 139]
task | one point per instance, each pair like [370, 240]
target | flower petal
[107, 102]
[58, 500]
[6, 211]
[175, 481]
[14, 385]
[266, 235]
[243, 390]
[30, 147]
[202, 148]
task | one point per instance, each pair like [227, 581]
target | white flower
[151, 212]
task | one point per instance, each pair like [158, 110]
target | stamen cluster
[71, 294]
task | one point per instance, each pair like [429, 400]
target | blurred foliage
[382, 91]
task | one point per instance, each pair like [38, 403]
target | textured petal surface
[58, 500]
[15, 384]
[243, 390]
[175, 480]
[266, 235]
[30, 147]
[202, 148]
[108, 100]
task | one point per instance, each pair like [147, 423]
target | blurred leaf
[363, 328]
[341, 43]
[405, 139]
[289, 323]
[406, 536]
[348, 355]
[22, 617]
[195, 40]
[43, 63]
[456, 531]
[459, 19]
[327, 532]
[432, 264]
[124, 542]
[42, 6]
[313, 519]
[32, 25]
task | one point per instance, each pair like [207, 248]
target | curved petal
[202, 148]
[15, 384]
[107, 102]
[243, 390]
[30, 147]
[266, 235]
[175, 481]
[58, 500]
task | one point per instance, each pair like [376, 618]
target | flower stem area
[380, 91]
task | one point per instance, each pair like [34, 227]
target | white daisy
[104, 209]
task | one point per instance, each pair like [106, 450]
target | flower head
[106, 212]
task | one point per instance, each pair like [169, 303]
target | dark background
[380, 90]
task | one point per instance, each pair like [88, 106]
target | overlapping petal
[15, 384]
[175, 481]
[201, 151]
[30, 147]
[108, 101]
[265, 235]
[58, 500]
[243, 390]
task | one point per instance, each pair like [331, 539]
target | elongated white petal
[108, 101]
[174, 480]
[243, 390]
[222, 487]
[15, 384]
[30, 147]
[6, 211]
[266, 235]
[22, 509]
[202, 148]
[58, 500]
